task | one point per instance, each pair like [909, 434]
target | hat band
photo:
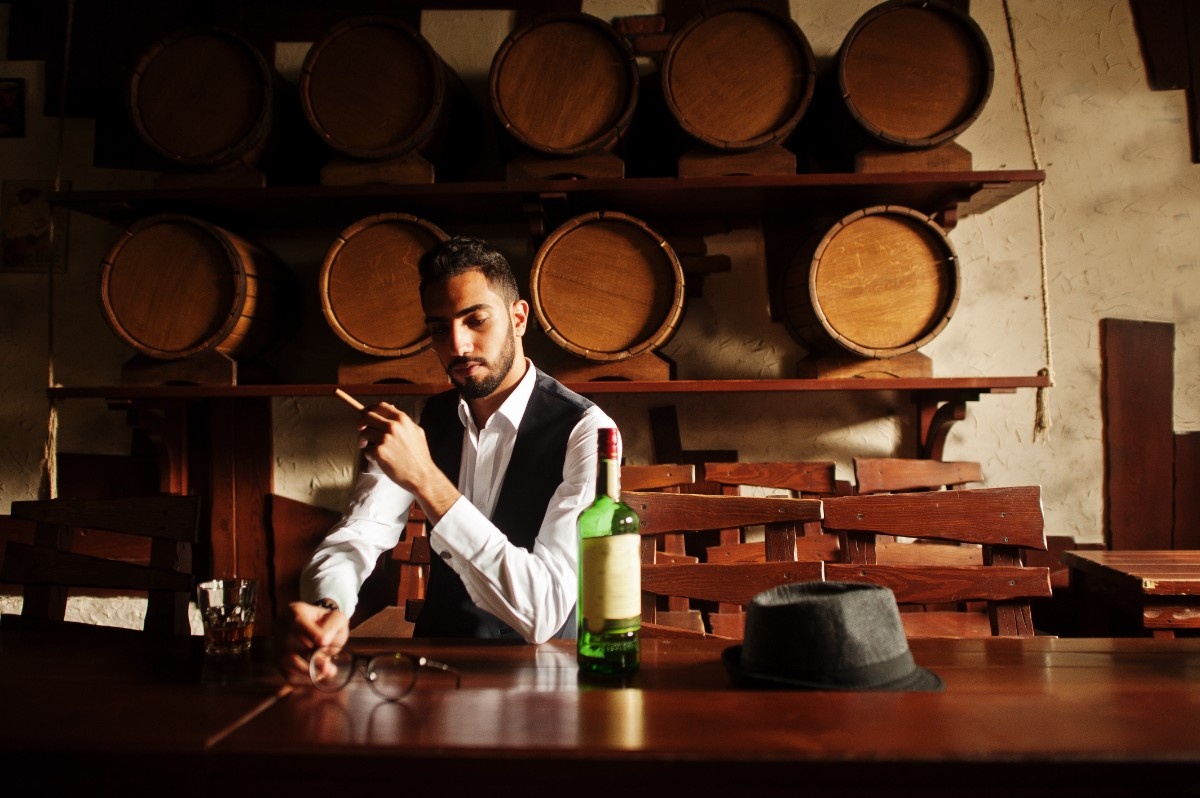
[873, 675]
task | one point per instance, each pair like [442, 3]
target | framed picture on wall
[33, 235]
[12, 108]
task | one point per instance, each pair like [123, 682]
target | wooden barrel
[369, 284]
[373, 88]
[739, 76]
[204, 97]
[914, 73]
[880, 282]
[173, 286]
[606, 287]
[564, 84]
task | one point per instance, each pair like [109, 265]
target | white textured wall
[1120, 200]
[1122, 241]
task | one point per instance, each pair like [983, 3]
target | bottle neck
[608, 463]
[608, 478]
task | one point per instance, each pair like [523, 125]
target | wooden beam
[1169, 34]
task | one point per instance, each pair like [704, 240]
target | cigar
[350, 400]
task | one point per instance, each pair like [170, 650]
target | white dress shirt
[531, 591]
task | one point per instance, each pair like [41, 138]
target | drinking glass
[227, 611]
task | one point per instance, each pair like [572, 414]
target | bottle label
[612, 584]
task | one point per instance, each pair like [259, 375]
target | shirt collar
[513, 409]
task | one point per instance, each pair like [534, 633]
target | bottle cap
[607, 439]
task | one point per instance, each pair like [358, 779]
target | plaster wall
[1119, 206]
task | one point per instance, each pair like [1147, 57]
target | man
[504, 549]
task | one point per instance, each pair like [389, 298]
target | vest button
[445, 555]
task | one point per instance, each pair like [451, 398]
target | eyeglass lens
[330, 670]
[390, 675]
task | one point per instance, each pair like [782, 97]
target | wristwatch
[328, 604]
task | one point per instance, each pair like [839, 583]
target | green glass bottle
[610, 575]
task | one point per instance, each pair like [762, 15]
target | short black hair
[460, 254]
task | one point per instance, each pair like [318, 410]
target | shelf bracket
[936, 414]
[947, 217]
[547, 212]
[167, 429]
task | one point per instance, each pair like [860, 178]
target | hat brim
[918, 680]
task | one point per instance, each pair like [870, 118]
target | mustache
[463, 361]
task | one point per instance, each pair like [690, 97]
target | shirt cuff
[346, 600]
[466, 532]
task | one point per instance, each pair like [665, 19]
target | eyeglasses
[391, 676]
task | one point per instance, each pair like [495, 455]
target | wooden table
[98, 710]
[1155, 591]
[1095, 717]
[1086, 716]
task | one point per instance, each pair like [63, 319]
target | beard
[478, 388]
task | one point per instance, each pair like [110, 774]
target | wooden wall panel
[1137, 391]
[242, 477]
[1187, 491]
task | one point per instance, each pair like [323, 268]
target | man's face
[474, 332]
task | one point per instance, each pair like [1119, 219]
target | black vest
[536, 464]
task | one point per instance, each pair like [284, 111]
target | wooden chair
[678, 587]
[1002, 522]
[392, 598]
[52, 565]
[896, 474]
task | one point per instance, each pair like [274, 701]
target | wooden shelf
[733, 198]
[930, 385]
[243, 411]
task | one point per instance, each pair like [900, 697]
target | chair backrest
[1002, 522]
[801, 479]
[399, 577]
[411, 561]
[901, 474]
[296, 528]
[681, 590]
[52, 564]
[666, 476]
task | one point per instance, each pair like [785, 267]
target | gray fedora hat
[826, 636]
